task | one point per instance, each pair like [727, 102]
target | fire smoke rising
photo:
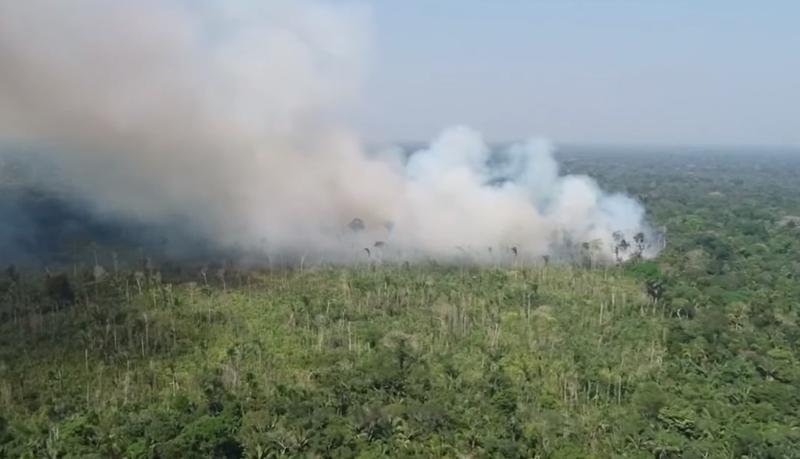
[224, 113]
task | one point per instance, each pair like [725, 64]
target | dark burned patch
[58, 288]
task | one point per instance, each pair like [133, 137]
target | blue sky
[588, 71]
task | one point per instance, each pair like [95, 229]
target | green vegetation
[693, 354]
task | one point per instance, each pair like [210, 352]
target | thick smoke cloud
[224, 114]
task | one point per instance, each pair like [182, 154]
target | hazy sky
[608, 71]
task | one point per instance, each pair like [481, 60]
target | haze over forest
[351, 229]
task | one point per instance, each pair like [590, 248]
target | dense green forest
[694, 354]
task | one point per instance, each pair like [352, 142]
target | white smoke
[225, 114]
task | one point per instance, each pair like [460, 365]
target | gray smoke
[224, 114]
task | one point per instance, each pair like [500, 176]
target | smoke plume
[224, 114]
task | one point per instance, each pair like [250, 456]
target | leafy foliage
[694, 354]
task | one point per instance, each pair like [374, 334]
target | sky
[660, 72]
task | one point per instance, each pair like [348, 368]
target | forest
[692, 354]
